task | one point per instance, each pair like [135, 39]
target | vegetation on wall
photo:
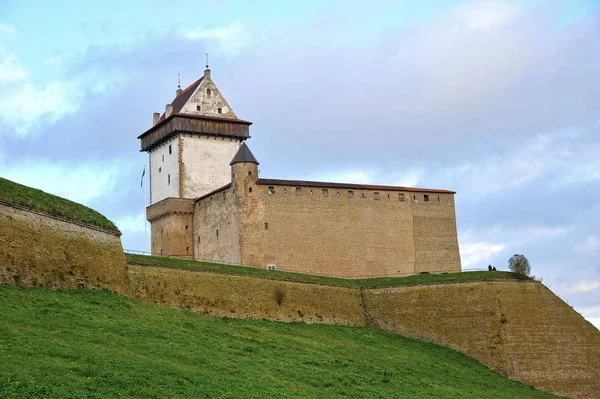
[314, 279]
[97, 344]
[39, 200]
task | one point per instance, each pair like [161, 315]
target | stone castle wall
[330, 231]
[43, 250]
[171, 227]
[217, 229]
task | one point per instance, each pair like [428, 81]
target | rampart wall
[39, 249]
[520, 329]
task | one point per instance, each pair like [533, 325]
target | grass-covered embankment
[314, 279]
[39, 200]
[97, 344]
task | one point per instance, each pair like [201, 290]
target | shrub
[519, 265]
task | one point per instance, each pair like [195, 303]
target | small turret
[244, 170]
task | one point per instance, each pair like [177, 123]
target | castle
[207, 202]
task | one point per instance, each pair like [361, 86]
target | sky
[498, 100]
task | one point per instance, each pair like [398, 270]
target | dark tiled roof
[301, 183]
[243, 155]
[183, 98]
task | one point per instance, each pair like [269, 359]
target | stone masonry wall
[246, 297]
[171, 227]
[42, 250]
[435, 233]
[217, 228]
[366, 234]
[519, 329]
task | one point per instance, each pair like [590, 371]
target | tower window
[271, 190]
[163, 158]
[376, 196]
[186, 227]
[208, 92]
[217, 232]
[169, 178]
[187, 250]
[298, 191]
[250, 190]
[350, 194]
[220, 110]
[198, 108]
[249, 173]
[266, 226]
[159, 169]
[401, 197]
[325, 192]
[170, 149]
[426, 197]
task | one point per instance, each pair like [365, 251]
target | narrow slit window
[426, 197]
[350, 194]
[325, 192]
[220, 110]
[266, 226]
[250, 190]
[298, 191]
[163, 158]
[198, 108]
[170, 149]
[186, 227]
[159, 169]
[217, 232]
[169, 179]
[438, 198]
[401, 197]
[249, 173]
[376, 196]
[208, 92]
[187, 250]
[271, 190]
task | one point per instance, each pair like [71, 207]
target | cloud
[477, 254]
[590, 245]
[586, 286]
[10, 69]
[230, 38]
[6, 29]
[487, 15]
[79, 183]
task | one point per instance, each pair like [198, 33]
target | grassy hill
[39, 200]
[97, 344]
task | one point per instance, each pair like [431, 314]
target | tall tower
[190, 147]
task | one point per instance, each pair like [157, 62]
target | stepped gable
[244, 155]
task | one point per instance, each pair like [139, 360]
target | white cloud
[10, 68]
[230, 37]
[586, 286]
[6, 29]
[133, 223]
[589, 245]
[486, 15]
[23, 103]
[79, 183]
[477, 254]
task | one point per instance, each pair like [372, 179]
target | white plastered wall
[205, 163]
[163, 164]
[209, 104]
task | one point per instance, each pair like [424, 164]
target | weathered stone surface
[519, 329]
[246, 297]
[42, 250]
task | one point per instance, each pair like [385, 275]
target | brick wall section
[171, 227]
[246, 297]
[519, 329]
[341, 236]
[42, 250]
[217, 228]
[434, 230]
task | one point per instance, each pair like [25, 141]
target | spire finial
[178, 81]
[206, 60]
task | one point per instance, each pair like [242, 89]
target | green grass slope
[39, 200]
[97, 344]
[314, 279]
